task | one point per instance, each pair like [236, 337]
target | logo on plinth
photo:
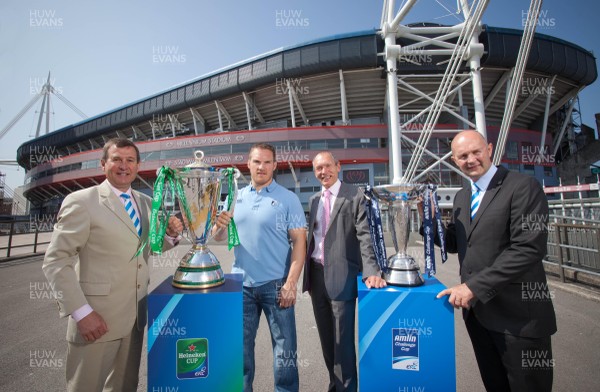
[192, 358]
[405, 349]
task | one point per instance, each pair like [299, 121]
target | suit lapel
[109, 200]
[488, 197]
[339, 200]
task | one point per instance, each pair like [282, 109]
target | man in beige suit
[100, 276]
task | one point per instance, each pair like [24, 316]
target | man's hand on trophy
[175, 227]
[375, 282]
[420, 207]
[223, 219]
[221, 223]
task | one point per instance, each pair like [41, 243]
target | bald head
[472, 154]
[468, 135]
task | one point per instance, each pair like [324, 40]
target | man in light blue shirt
[272, 231]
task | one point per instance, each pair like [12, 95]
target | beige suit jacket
[91, 259]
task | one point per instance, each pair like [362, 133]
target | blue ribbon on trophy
[430, 201]
[375, 228]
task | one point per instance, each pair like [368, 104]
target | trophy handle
[236, 175]
[232, 192]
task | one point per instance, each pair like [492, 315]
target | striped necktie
[131, 212]
[475, 199]
[325, 215]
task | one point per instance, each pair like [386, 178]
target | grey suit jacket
[91, 259]
[348, 246]
[500, 254]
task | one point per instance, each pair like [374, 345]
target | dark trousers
[335, 323]
[511, 363]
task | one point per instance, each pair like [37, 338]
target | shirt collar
[270, 188]
[484, 181]
[334, 189]
[119, 192]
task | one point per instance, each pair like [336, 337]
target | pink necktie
[325, 214]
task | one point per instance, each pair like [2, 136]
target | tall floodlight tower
[44, 94]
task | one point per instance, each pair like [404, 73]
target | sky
[105, 54]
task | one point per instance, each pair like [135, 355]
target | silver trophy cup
[201, 183]
[402, 270]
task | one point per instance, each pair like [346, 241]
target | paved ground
[32, 346]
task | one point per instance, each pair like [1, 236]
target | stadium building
[328, 94]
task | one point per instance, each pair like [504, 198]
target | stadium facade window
[240, 148]
[218, 150]
[310, 189]
[529, 169]
[298, 145]
[182, 153]
[513, 167]
[90, 164]
[334, 144]
[150, 156]
[363, 143]
[380, 174]
[317, 145]
[512, 150]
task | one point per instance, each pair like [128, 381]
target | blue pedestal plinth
[405, 339]
[195, 338]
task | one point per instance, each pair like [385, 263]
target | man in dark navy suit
[499, 231]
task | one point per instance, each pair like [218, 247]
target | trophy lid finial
[198, 160]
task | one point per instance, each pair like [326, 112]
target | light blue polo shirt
[263, 219]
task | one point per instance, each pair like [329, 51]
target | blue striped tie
[131, 212]
[475, 200]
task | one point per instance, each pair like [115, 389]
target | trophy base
[199, 269]
[403, 271]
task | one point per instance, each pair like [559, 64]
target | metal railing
[21, 229]
[573, 244]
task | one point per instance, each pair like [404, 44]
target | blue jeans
[282, 324]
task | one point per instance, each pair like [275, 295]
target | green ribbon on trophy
[159, 218]
[232, 235]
